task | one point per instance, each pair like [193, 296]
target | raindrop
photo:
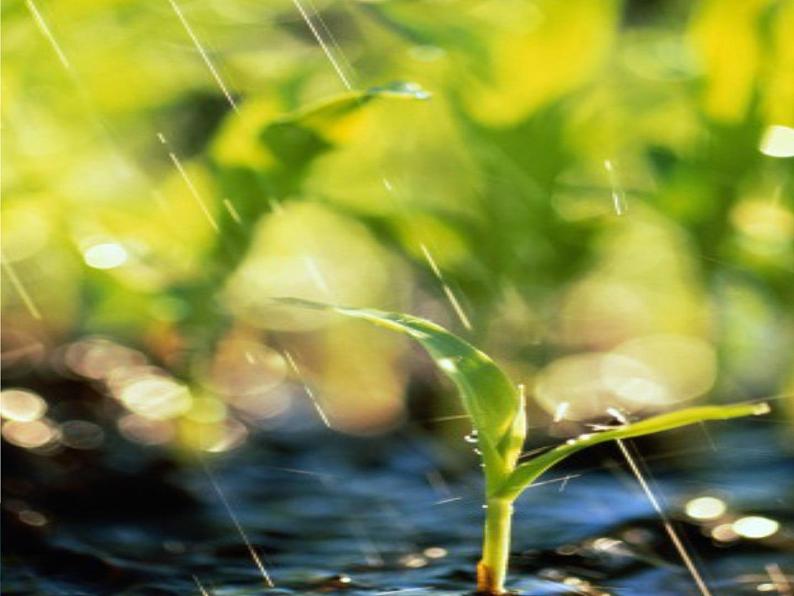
[761, 409]
[337, 582]
[403, 88]
[472, 437]
[618, 195]
[448, 364]
[618, 414]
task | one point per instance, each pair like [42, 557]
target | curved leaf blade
[326, 112]
[493, 402]
[525, 474]
[323, 125]
[281, 147]
[261, 157]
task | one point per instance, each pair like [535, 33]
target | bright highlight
[22, 406]
[705, 508]
[778, 141]
[106, 255]
[755, 526]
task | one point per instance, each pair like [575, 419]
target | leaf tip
[761, 408]
[404, 89]
[299, 302]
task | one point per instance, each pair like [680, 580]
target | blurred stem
[492, 568]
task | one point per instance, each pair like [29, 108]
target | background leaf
[261, 158]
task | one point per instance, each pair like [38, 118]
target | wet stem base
[492, 568]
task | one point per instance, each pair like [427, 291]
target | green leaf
[525, 474]
[294, 140]
[493, 402]
[332, 112]
[261, 157]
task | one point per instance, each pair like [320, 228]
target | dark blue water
[329, 514]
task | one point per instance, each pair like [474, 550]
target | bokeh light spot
[97, 358]
[243, 367]
[156, 397]
[22, 406]
[763, 220]
[144, 431]
[106, 255]
[29, 435]
[724, 533]
[778, 141]
[435, 552]
[81, 434]
[686, 365]
[207, 410]
[705, 508]
[32, 518]
[755, 526]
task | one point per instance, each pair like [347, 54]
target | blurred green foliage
[586, 174]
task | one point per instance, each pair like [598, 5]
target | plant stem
[492, 568]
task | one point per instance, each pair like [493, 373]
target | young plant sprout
[496, 408]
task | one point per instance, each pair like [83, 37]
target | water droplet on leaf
[472, 437]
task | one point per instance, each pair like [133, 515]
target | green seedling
[496, 408]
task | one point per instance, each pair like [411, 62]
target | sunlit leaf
[333, 118]
[525, 474]
[537, 57]
[261, 137]
[729, 69]
[263, 158]
[493, 402]
[780, 90]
